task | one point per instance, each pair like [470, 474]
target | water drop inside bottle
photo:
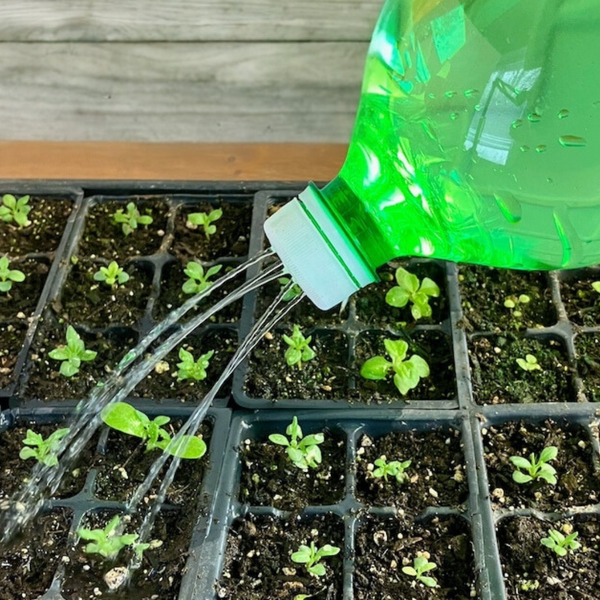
[524, 148]
[562, 114]
[572, 141]
[450, 94]
[541, 148]
[534, 117]
[516, 123]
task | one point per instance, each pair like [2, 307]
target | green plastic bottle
[477, 140]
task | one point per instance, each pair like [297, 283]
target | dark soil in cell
[269, 478]
[103, 238]
[497, 378]
[577, 480]
[12, 336]
[160, 574]
[45, 381]
[172, 296]
[14, 471]
[305, 314]
[125, 464]
[23, 297]
[258, 564]
[372, 309]
[436, 474]
[322, 378]
[587, 349]
[433, 346]
[96, 304]
[485, 290]
[48, 220]
[231, 238]
[528, 565]
[163, 382]
[28, 565]
[581, 300]
[383, 547]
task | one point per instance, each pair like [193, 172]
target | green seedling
[421, 565]
[9, 276]
[73, 354]
[107, 542]
[409, 289]
[298, 350]
[198, 280]
[189, 368]
[529, 363]
[130, 219]
[293, 292]
[393, 468]
[534, 468]
[126, 419]
[515, 302]
[205, 221]
[43, 450]
[529, 585]
[13, 210]
[112, 275]
[310, 556]
[407, 373]
[303, 452]
[560, 543]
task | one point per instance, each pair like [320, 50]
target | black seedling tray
[571, 329]
[52, 259]
[85, 502]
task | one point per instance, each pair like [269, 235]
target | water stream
[29, 500]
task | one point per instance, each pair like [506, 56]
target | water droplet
[431, 95]
[550, 180]
[450, 94]
[470, 93]
[572, 141]
[534, 117]
[509, 206]
[516, 123]
[454, 116]
[477, 107]
[524, 148]
[563, 114]
[541, 148]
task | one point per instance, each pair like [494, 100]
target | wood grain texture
[169, 162]
[187, 20]
[185, 92]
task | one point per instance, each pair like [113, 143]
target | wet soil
[269, 478]
[45, 381]
[123, 465]
[258, 564]
[383, 547]
[95, 304]
[162, 383]
[48, 220]
[484, 291]
[322, 378]
[581, 300]
[436, 475]
[577, 485]
[28, 565]
[587, 349]
[433, 346]
[497, 378]
[528, 565]
[103, 238]
[231, 238]
[14, 471]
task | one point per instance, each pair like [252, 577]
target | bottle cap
[317, 253]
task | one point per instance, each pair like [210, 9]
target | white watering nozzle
[316, 252]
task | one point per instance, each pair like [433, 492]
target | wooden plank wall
[182, 70]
